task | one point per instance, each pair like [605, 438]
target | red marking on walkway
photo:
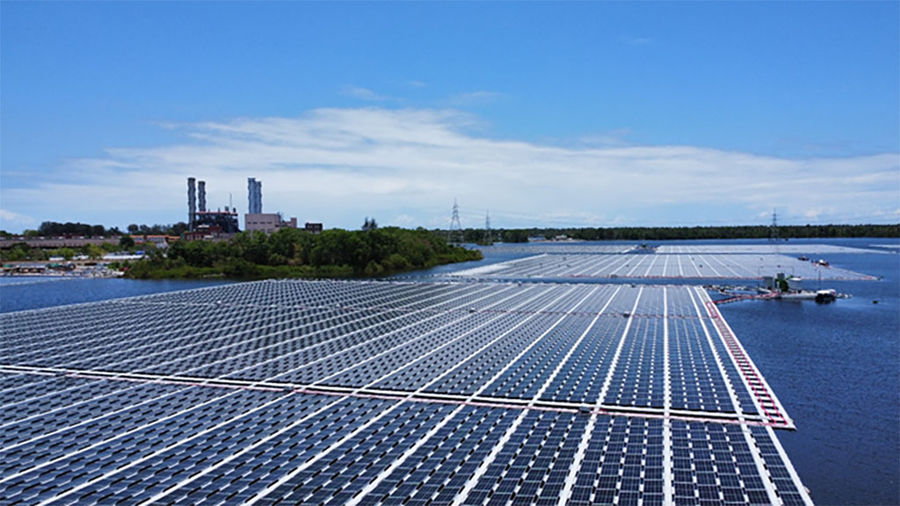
[407, 396]
[763, 396]
[735, 298]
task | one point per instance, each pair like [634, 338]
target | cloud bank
[406, 166]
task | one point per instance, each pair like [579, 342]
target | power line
[773, 228]
[454, 233]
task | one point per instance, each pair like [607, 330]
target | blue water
[835, 367]
[18, 293]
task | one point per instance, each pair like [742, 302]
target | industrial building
[255, 219]
[204, 223]
[267, 222]
[207, 224]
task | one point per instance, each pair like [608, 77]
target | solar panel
[774, 248]
[655, 266]
[550, 247]
[358, 392]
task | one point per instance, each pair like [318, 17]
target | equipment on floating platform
[825, 296]
[737, 293]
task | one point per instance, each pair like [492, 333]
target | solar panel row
[549, 247]
[569, 248]
[99, 406]
[670, 266]
[750, 249]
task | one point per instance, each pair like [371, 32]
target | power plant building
[267, 222]
[220, 222]
[205, 223]
[255, 219]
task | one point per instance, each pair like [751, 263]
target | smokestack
[254, 195]
[251, 183]
[192, 204]
[201, 187]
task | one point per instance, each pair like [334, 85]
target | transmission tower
[773, 228]
[454, 234]
[488, 237]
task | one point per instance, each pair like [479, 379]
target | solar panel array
[757, 249]
[573, 247]
[362, 392]
[650, 266]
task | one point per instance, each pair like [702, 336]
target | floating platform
[564, 247]
[780, 248]
[363, 392]
[656, 266]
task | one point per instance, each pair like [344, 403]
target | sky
[535, 113]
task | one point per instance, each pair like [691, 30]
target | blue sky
[582, 114]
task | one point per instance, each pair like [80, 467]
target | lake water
[835, 367]
[18, 293]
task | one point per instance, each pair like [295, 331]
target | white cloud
[340, 165]
[362, 93]
[11, 221]
[610, 138]
[406, 220]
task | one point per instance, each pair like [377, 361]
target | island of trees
[298, 253]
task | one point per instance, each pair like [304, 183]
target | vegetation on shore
[291, 253]
[21, 251]
[670, 233]
[78, 229]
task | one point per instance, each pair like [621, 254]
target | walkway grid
[574, 267]
[352, 392]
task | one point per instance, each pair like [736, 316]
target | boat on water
[820, 296]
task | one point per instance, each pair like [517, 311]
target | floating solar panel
[646, 266]
[758, 249]
[361, 392]
[550, 247]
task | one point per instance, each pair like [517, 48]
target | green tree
[66, 253]
[92, 251]
[299, 253]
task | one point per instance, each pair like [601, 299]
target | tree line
[471, 235]
[22, 251]
[77, 229]
[298, 253]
